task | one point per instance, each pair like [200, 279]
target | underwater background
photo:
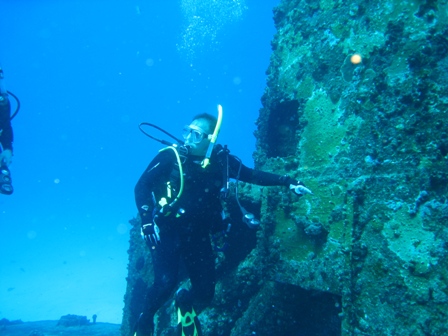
[87, 73]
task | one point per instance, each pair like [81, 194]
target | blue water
[87, 72]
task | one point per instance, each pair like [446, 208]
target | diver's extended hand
[299, 189]
[150, 233]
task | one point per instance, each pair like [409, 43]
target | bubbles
[57, 181]
[31, 234]
[203, 20]
[237, 80]
[149, 62]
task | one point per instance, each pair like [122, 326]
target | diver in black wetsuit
[178, 199]
[6, 139]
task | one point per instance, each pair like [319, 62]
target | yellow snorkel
[206, 160]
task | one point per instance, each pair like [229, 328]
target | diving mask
[194, 134]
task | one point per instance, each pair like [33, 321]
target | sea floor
[51, 328]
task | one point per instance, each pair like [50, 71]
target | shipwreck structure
[366, 254]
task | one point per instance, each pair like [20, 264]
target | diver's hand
[6, 157]
[150, 233]
[299, 189]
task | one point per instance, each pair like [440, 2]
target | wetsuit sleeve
[146, 189]
[6, 133]
[258, 177]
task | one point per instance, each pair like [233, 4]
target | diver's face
[191, 140]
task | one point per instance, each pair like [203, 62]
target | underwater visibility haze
[87, 73]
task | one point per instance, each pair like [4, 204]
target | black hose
[180, 142]
[18, 105]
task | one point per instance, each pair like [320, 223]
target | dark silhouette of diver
[6, 139]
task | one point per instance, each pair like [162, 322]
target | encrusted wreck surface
[366, 254]
[370, 140]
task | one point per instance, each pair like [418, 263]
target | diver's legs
[199, 260]
[187, 320]
[5, 180]
[200, 263]
[165, 259]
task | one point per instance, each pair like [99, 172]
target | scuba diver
[6, 138]
[179, 198]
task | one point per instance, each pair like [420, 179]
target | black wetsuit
[6, 134]
[187, 238]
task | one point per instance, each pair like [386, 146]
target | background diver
[6, 139]
[178, 200]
